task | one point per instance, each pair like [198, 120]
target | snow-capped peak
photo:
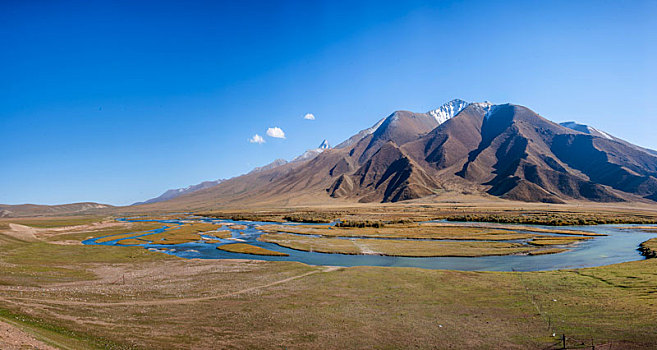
[586, 129]
[448, 110]
[312, 153]
[324, 145]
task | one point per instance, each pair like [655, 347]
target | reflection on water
[618, 246]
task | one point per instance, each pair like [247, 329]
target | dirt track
[168, 301]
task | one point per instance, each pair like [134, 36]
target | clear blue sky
[118, 101]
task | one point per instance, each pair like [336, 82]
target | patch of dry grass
[548, 251]
[553, 240]
[418, 231]
[392, 247]
[184, 234]
[53, 221]
[248, 249]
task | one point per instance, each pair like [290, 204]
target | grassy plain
[498, 211]
[112, 297]
[424, 231]
[186, 233]
[395, 247]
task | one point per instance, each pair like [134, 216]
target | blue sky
[116, 102]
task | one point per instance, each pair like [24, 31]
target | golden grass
[119, 236]
[220, 234]
[553, 240]
[236, 226]
[555, 231]
[513, 212]
[131, 241]
[392, 247]
[548, 251]
[183, 234]
[249, 249]
[421, 231]
[130, 231]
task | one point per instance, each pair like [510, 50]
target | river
[619, 245]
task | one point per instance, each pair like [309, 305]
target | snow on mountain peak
[490, 109]
[586, 129]
[324, 145]
[312, 153]
[448, 110]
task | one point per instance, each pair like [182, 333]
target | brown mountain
[7, 210]
[506, 151]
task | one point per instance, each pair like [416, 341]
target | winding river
[619, 245]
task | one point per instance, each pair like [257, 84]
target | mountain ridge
[506, 151]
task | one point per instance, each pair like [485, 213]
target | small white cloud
[257, 139]
[276, 132]
[309, 116]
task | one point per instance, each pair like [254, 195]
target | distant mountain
[174, 193]
[312, 153]
[506, 151]
[272, 165]
[7, 210]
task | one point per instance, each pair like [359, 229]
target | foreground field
[79, 297]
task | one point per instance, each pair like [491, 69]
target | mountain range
[506, 151]
[177, 192]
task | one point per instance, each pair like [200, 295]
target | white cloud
[276, 132]
[257, 139]
[309, 116]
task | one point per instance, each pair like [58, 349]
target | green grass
[282, 307]
[55, 335]
[361, 307]
[43, 263]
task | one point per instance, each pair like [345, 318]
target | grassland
[187, 233]
[458, 210]
[471, 241]
[137, 229]
[112, 297]
[53, 221]
[248, 249]
[164, 302]
[417, 231]
[548, 251]
[394, 247]
[555, 240]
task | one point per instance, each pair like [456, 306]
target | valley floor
[78, 297]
